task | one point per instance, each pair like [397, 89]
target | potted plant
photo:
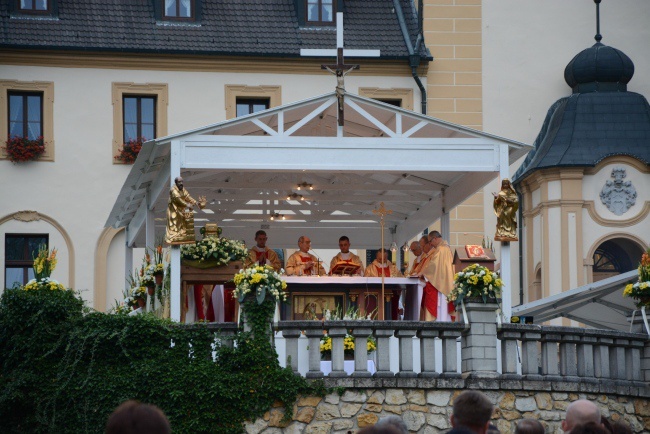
[348, 346]
[476, 284]
[44, 265]
[213, 251]
[158, 269]
[130, 150]
[640, 290]
[21, 149]
[258, 290]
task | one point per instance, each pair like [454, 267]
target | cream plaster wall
[79, 188]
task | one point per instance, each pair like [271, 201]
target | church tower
[585, 188]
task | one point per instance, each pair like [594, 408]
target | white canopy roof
[419, 166]
[599, 304]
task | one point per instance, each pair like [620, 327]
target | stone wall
[428, 411]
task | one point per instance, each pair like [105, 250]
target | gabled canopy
[419, 166]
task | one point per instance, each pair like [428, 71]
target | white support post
[506, 268]
[149, 224]
[175, 281]
[128, 262]
[175, 293]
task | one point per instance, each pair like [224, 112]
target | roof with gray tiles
[223, 27]
[600, 119]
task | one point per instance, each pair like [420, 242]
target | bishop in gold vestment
[438, 272]
[303, 263]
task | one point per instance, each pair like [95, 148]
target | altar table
[316, 293]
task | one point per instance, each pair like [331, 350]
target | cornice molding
[70, 59]
[590, 206]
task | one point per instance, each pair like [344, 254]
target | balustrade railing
[528, 352]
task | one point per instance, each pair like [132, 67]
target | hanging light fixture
[305, 185]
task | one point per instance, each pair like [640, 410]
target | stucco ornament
[618, 195]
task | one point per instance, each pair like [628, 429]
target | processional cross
[382, 212]
[340, 69]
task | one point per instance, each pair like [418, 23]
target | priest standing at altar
[416, 249]
[346, 256]
[303, 263]
[382, 266]
[262, 255]
[438, 273]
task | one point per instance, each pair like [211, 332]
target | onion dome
[599, 69]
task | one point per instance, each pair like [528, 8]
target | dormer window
[34, 6]
[320, 11]
[179, 9]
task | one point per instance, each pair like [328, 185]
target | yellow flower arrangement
[475, 281]
[45, 283]
[348, 345]
[640, 290]
[261, 281]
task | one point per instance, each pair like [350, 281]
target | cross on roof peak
[340, 69]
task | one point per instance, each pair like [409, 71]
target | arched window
[614, 257]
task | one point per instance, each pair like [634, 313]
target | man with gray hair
[394, 422]
[580, 412]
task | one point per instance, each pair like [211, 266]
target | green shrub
[65, 372]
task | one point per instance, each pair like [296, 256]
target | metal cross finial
[340, 69]
[382, 211]
[598, 36]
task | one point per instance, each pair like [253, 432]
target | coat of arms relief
[618, 195]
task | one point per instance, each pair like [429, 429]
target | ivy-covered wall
[65, 369]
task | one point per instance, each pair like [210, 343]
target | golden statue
[180, 217]
[506, 205]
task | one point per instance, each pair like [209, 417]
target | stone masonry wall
[428, 411]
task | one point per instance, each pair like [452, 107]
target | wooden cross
[340, 69]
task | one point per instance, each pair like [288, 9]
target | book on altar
[343, 268]
[475, 251]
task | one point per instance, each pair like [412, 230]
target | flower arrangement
[348, 345]
[44, 264]
[351, 314]
[214, 251]
[640, 290]
[21, 149]
[158, 265]
[475, 281]
[146, 271]
[130, 150]
[44, 283]
[263, 281]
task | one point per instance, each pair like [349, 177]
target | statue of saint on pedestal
[506, 205]
[180, 217]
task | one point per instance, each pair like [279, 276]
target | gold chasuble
[438, 270]
[349, 258]
[376, 270]
[296, 265]
[266, 256]
[416, 263]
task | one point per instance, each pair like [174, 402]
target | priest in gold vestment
[303, 263]
[382, 266]
[416, 248]
[262, 255]
[346, 256]
[438, 273]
